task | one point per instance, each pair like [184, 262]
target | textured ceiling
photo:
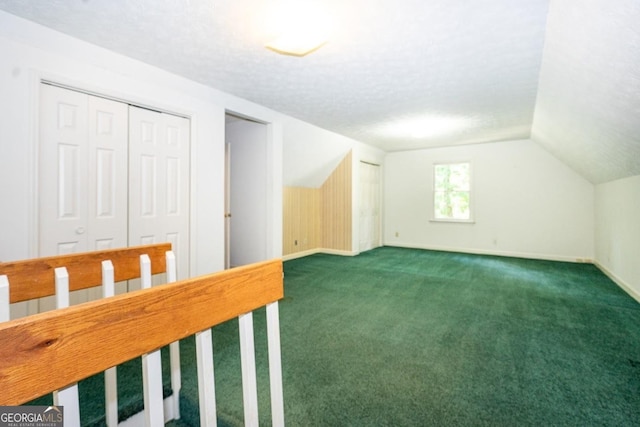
[588, 107]
[404, 74]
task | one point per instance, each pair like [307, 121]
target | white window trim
[472, 198]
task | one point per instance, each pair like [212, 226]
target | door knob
[80, 230]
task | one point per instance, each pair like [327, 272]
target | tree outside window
[452, 191]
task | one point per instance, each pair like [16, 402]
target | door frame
[37, 79]
[273, 166]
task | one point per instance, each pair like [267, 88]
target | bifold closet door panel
[159, 182]
[83, 172]
[108, 177]
[82, 175]
[63, 171]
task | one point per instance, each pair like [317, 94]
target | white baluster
[248, 364]
[68, 396]
[275, 365]
[206, 379]
[110, 375]
[174, 348]
[5, 306]
[151, 366]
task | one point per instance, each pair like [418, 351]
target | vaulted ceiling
[405, 74]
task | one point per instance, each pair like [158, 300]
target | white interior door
[82, 174]
[248, 191]
[159, 182]
[227, 206]
[369, 206]
[108, 193]
[63, 172]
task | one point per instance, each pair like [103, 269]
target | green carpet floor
[403, 337]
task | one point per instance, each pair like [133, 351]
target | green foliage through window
[452, 190]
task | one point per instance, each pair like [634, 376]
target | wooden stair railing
[48, 351]
[33, 278]
[59, 275]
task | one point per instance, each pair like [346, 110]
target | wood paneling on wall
[301, 218]
[336, 207]
[317, 218]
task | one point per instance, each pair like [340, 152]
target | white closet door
[83, 172]
[108, 160]
[63, 171]
[369, 206]
[159, 182]
[110, 175]
[82, 175]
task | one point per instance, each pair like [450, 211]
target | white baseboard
[474, 251]
[300, 254]
[338, 252]
[318, 251]
[618, 281]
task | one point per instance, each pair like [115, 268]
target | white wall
[30, 52]
[527, 203]
[618, 232]
[311, 154]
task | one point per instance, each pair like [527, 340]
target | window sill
[454, 221]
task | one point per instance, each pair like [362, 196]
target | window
[452, 192]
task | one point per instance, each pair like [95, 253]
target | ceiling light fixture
[299, 27]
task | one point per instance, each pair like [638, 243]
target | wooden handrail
[48, 351]
[34, 278]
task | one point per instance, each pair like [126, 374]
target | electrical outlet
[295, 242]
[397, 234]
